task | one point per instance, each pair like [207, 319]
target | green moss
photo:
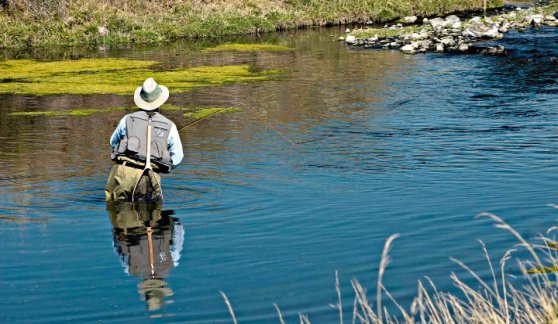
[249, 48]
[200, 113]
[38, 113]
[384, 32]
[193, 113]
[170, 107]
[74, 112]
[113, 76]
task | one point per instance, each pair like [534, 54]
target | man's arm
[118, 133]
[175, 147]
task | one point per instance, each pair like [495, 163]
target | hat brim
[146, 105]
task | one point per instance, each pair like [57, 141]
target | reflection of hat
[150, 95]
[154, 290]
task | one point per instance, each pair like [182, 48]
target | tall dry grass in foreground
[496, 301]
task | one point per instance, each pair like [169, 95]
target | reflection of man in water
[148, 242]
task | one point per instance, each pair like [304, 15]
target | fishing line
[268, 124]
[201, 118]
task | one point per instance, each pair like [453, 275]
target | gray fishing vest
[134, 145]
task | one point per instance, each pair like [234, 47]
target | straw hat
[151, 95]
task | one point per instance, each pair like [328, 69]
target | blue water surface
[321, 166]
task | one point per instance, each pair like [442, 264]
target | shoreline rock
[452, 34]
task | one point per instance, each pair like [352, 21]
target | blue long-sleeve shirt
[174, 143]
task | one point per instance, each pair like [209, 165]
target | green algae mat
[195, 113]
[114, 76]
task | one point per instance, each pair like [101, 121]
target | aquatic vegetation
[73, 112]
[193, 113]
[200, 113]
[383, 32]
[170, 107]
[114, 76]
[39, 113]
[249, 48]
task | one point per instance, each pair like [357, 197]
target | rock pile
[452, 34]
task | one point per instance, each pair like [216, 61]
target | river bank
[412, 35]
[26, 24]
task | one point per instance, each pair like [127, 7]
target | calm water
[416, 145]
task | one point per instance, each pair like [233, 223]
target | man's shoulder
[165, 118]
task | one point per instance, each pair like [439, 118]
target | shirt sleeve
[175, 146]
[118, 133]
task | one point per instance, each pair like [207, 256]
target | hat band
[150, 96]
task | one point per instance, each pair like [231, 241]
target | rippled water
[387, 143]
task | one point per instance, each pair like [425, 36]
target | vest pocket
[133, 144]
[156, 149]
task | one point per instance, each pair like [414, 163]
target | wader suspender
[147, 167]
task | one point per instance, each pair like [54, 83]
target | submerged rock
[498, 50]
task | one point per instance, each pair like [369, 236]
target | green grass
[114, 76]
[30, 24]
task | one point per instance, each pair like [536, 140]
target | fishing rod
[245, 106]
[202, 118]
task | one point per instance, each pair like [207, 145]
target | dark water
[416, 145]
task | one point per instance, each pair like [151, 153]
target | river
[384, 143]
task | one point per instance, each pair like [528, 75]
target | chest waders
[147, 176]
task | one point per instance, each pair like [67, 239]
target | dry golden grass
[496, 301]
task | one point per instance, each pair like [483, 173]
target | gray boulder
[408, 49]
[476, 20]
[350, 39]
[409, 19]
[534, 20]
[482, 31]
[437, 23]
[447, 41]
[453, 21]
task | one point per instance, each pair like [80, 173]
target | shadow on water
[148, 241]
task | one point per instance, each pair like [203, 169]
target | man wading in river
[135, 176]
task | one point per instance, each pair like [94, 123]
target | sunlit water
[387, 143]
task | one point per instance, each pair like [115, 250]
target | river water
[387, 143]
